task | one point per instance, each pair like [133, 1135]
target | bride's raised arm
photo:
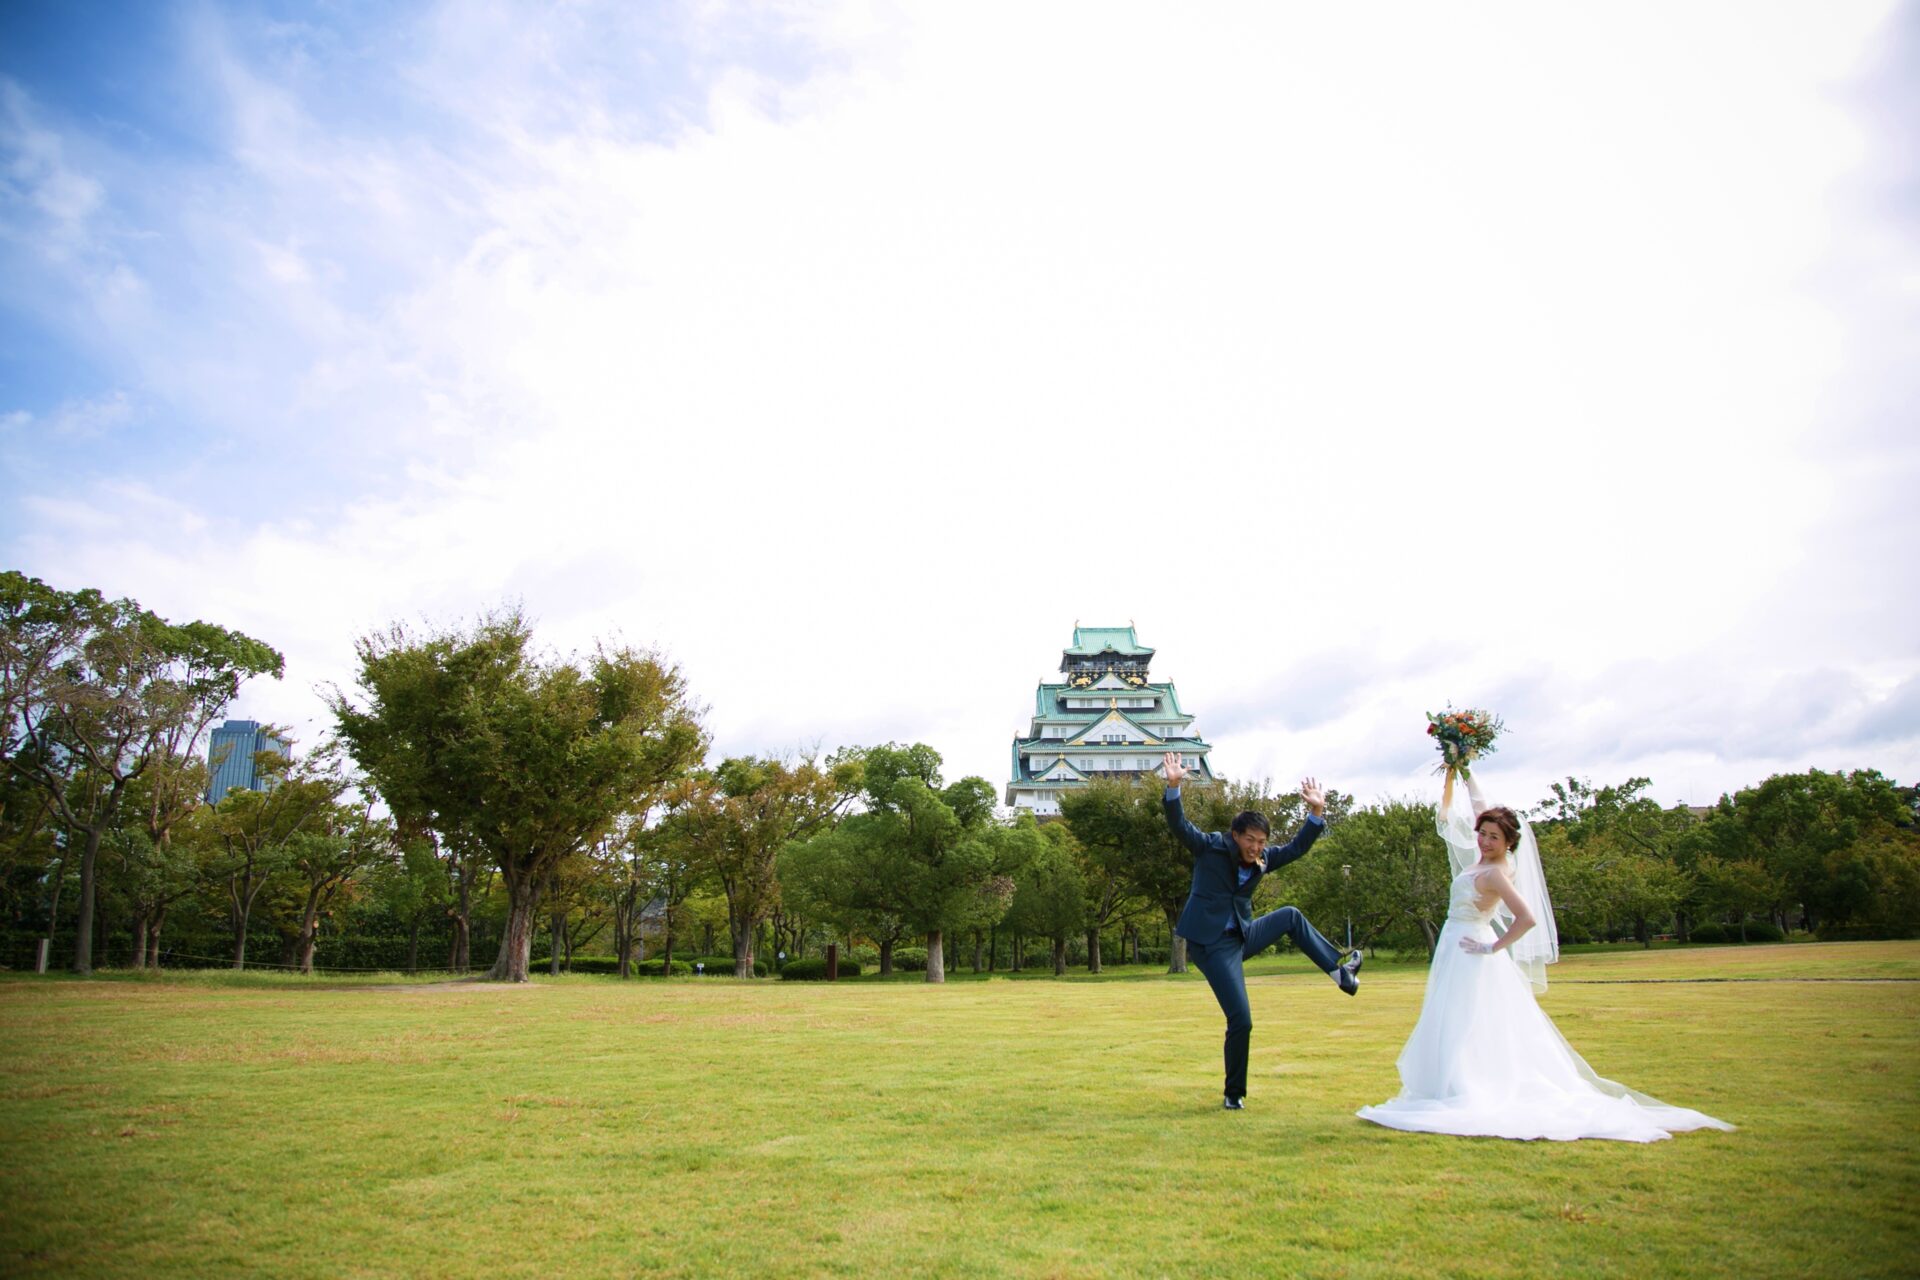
[1455, 826]
[1474, 794]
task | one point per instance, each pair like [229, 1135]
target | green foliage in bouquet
[1463, 736]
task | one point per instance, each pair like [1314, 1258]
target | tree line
[478, 798]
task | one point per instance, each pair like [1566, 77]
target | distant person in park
[1218, 921]
[1483, 1059]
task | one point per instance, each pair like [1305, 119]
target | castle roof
[1089, 641]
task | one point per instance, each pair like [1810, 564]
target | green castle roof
[1088, 641]
[1046, 698]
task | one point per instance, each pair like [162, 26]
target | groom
[1218, 921]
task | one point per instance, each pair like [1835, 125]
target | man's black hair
[1249, 819]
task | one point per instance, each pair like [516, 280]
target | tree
[741, 817]
[657, 871]
[1125, 826]
[930, 855]
[1050, 895]
[1733, 888]
[96, 691]
[1792, 824]
[156, 875]
[410, 889]
[1396, 890]
[530, 760]
[1872, 885]
[258, 831]
[328, 856]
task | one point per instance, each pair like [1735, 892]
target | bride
[1483, 1059]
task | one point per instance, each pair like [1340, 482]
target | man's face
[1252, 842]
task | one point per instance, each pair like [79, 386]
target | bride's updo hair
[1503, 818]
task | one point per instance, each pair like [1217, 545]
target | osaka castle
[1105, 719]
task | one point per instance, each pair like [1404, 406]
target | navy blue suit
[1221, 932]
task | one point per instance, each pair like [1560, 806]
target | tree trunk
[460, 957]
[886, 956]
[1176, 954]
[516, 944]
[556, 934]
[1426, 927]
[979, 944]
[666, 953]
[993, 947]
[237, 919]
[83, 920]
[153, 937]
[936, 957]
[1093, 951]
[140, 941]
[309, 926]
[1059, 954]
[743, 950]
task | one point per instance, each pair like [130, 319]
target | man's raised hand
[1315, 795]
[1174, 769]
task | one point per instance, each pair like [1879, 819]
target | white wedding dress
[1484, 1060]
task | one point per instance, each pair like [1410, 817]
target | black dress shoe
[1233, 1104]
[1347, 974]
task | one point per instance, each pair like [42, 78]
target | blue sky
[1545, 357]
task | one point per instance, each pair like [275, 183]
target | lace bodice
[1463, 902]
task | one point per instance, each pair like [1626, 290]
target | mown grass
[583, 1126]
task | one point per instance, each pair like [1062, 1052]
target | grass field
[206, 1126]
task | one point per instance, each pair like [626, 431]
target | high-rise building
[230, 757]
[1105, 719]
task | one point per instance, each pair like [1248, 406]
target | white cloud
[1419, 355]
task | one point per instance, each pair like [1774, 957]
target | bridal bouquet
[1463, 736]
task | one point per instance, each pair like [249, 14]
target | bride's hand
[1475, 947]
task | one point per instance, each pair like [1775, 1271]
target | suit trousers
[1221, 962]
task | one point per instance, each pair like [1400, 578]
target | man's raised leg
[1289, 922]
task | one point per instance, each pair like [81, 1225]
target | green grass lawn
[204, 1126]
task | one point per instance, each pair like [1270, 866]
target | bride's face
[1493, 841]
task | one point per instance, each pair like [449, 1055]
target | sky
[1553, 358]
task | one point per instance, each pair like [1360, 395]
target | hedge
[1859, 932]
[722, 966]
[1757, 931]
[814, 969]
[651, 968]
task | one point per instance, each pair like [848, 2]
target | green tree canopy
[531, 759]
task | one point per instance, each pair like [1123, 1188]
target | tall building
[230, 757]
[1105, 719]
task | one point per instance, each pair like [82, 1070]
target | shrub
[1857, 932]
[814, 969]
[1757, 931]
[651, 968]
[910, 959]
[579, 964]
[722, 966]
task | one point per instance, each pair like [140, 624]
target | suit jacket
[1218, 898]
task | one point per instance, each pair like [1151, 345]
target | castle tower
[1105, 719]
